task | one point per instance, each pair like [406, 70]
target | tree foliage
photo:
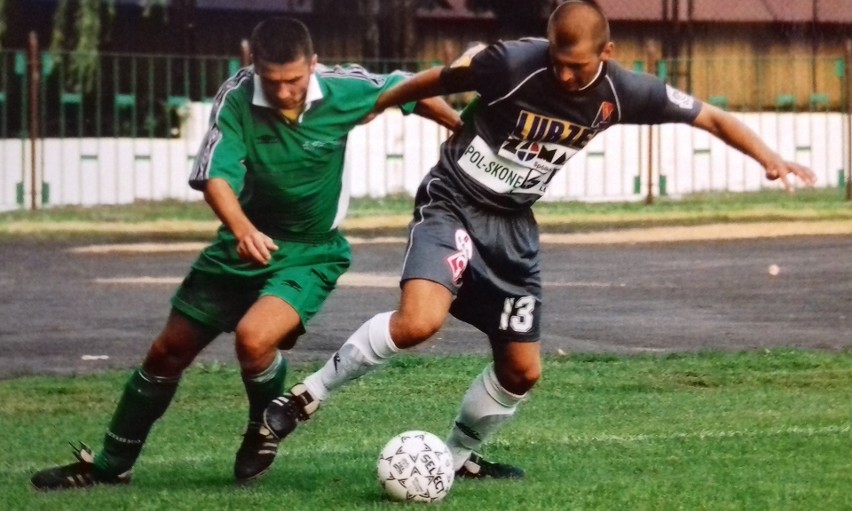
[78, 31]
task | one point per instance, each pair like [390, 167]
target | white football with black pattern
[416, 466]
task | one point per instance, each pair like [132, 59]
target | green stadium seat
[719, 101]
[818, 101]
[785, 102]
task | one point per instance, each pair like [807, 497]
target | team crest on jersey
[679, 98]
[604, 117]
[458, 261]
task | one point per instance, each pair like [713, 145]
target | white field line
[576, 440]
[351, 279]
[638, 235]
[194, 246]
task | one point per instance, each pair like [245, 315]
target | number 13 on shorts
[517, 314]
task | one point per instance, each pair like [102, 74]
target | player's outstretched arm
[736, 134]
[252, 245]
[438, 110]
[425, 84]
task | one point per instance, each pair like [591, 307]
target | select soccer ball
[416, 466]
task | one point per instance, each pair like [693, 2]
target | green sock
[144, 400]
[262, 388]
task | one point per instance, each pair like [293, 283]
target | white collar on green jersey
[314, 94]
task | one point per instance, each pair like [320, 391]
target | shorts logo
[292, 283]
[458, 262]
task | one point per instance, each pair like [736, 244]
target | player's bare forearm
[252, 244]
[736, 134]
[223, 201]
[424, 84]
[440, 111]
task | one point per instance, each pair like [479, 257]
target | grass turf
[747, 431]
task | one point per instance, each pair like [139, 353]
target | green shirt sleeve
[394, 79]
[223, 150]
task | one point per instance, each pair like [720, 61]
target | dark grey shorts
[489, 260]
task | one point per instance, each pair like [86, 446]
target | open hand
[782, 170]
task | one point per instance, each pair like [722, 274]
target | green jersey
[288, 175]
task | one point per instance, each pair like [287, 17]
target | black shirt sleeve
[647, 100]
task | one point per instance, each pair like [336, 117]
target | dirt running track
[64, 312]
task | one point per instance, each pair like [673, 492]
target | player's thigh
[501, 288]
[266, 324]
[308, 278]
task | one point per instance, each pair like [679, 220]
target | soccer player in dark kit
[271, 168]
[473, 249]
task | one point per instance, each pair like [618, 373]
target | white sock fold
[485, 408]
[370, 346]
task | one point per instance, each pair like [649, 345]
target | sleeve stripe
[201, 168]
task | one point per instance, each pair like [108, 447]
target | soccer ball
[416, 466]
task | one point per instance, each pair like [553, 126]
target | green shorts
[221, 287]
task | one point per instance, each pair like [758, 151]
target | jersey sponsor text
[531, 126]
[520, 167]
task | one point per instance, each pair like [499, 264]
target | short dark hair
[281, 40]
[596, 25]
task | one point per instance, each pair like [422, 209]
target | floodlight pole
[35, 84]
[848, 71]
[651, 58]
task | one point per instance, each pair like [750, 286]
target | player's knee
[410, 330]
[520, 379]
[168, 357]
[249, 348]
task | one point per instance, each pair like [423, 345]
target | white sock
[370, 346]
[485, 408]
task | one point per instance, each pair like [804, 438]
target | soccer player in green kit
[271, 168]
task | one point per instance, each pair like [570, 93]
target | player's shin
[370, 346]
[265, 386]
[146, 397]
[485, 408]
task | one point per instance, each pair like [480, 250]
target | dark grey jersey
[524, 128]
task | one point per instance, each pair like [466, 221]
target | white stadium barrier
[390, 155]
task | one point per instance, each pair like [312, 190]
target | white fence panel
[391, 154]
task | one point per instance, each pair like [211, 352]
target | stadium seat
[818, 101]
[785, 102]
[719, 101]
